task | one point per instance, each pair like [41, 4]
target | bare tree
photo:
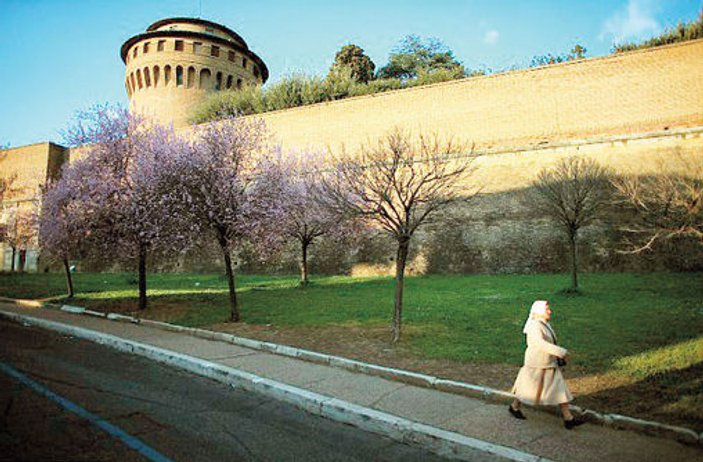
[400, 184]
[573, 193]
[667, 204]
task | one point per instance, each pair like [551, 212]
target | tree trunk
[22, 261]
[574, 265]
[12, 262]
[304, 265]
[400, 261]
[142, 277]
[69, 279]
[234, 308]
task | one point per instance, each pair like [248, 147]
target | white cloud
[491, 37]
[633, 22]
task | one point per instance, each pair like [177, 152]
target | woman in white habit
[540, 381]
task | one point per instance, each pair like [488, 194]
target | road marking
[134, 443]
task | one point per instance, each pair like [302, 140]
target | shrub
[681, 33]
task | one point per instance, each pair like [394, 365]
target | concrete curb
[617, 421]
[441, 442]
[400, 375]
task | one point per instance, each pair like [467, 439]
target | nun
[540, 381]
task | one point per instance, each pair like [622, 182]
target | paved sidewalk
[541, 435]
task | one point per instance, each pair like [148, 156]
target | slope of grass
[631, 322]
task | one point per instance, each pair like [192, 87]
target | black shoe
[517, 413]
[574, 422]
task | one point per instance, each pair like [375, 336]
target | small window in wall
[179, 76]
[179, 45]
[239, 83]
[147, 77]
[197, 46]
[135, 50]
[156, 75]
[167, 75]
[126, 86]
[218, 81]
[244, 63]
[139, 79]
[256, 71]
[214, 51]
[161, 45]
[229, 82]
[134, 84]
[146, 48]
[191, 77]
[231, 56]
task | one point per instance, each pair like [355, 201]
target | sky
[61, 56]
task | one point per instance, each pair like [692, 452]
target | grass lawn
[634, 338]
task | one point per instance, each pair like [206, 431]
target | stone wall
[29, 167]
[626, 94]
[499, 232]
[629, 112]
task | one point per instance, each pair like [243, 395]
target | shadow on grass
[674, 396]
[471, 319]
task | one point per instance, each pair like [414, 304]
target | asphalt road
[179, 415]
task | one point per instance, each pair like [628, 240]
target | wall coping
[505, 74]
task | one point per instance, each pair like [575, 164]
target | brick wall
[637, 92]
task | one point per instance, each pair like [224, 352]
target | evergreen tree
[353, 57]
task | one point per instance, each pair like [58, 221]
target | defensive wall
[638, 92]
[627, 111]
[630, 112]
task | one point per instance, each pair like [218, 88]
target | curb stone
[683, 435]
[405, 431]
[656, 429]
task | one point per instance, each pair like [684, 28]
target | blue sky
[59, 56]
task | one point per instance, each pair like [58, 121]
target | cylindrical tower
[178, 61]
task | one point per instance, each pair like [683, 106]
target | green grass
[635, 324]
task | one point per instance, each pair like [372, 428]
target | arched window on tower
[179, 76]
[229, 82]
[129, 90]
[167, 75]
[239, 84]
[134, 84]
[205, 78]
[147, 77]
[139, 79]
[156, 76]
[218, 81]
[191, 77]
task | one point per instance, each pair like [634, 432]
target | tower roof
[202, 22]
